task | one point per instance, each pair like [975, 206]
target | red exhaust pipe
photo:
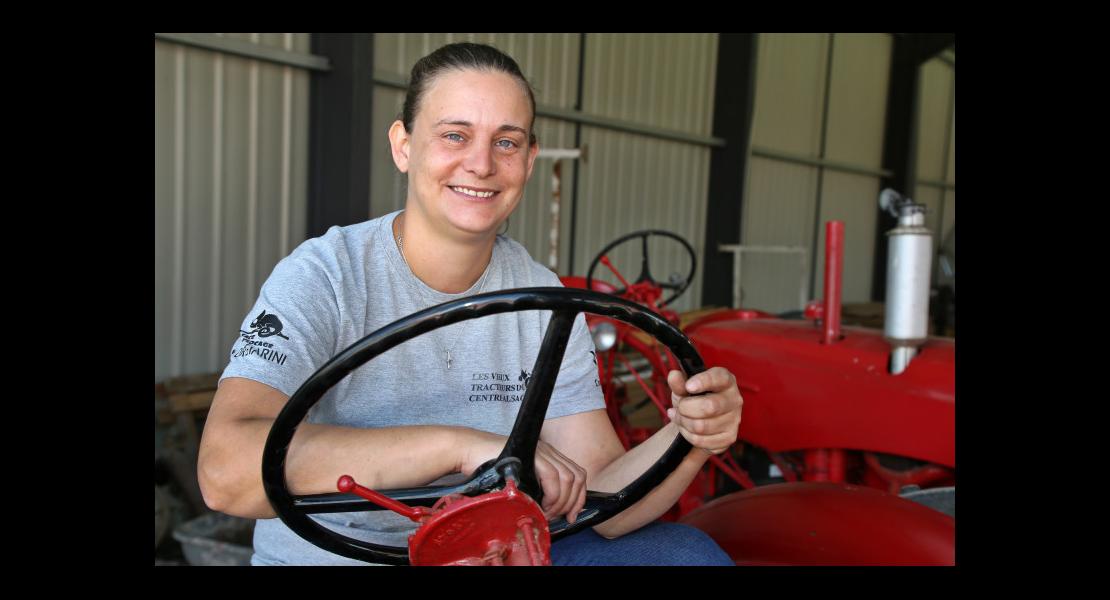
[834, 270]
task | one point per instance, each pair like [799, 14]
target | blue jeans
[655, 544]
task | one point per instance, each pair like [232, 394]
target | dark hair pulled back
[461, 56]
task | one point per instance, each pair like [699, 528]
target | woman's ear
[399, 146]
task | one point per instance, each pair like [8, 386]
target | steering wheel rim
[565, 304]
[645, 272]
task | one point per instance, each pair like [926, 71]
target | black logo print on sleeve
[266, 325]
[263, 326]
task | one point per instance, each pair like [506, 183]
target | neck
[445, 265]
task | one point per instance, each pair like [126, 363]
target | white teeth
[473, 193]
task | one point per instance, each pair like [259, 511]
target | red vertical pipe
[834, 270]
[817, 465]
[836, 465]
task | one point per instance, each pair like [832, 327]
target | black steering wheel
[645, 272]
[565, 304]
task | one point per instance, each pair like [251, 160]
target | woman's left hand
[706, 408]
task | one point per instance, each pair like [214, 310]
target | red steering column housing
[502, 528]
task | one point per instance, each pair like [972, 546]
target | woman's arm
[230, 460]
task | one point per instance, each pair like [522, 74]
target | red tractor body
[826, 524]
[801, 394]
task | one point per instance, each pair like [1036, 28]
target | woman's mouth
[474, 193]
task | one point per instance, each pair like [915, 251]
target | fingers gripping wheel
[565, 304]
[645, 272]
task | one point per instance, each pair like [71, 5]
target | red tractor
[847, 446]
[846, 452]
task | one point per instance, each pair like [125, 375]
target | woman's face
[468, 156]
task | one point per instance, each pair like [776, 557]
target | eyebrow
[505, 127]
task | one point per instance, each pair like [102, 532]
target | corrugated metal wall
[634, 182]
[781, 197]
[629, 181]
[230, 165]
[857, 116]
[787, 203]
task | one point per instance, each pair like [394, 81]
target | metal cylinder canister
[907, 293]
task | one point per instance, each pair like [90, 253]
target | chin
[478, 220]
[477, 226]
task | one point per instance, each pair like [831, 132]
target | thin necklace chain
[401, 247]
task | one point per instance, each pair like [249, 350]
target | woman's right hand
[563, 482]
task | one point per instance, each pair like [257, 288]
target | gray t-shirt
[338, 288]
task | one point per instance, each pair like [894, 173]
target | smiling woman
[410, 417]
[468, 152]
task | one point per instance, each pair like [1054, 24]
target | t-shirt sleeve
[292, 329]
[577, 389]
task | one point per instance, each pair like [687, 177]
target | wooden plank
[162, 411]
[182, 403]
[864, 314]
[191, 383]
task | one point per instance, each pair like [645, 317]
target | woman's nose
[479, 160]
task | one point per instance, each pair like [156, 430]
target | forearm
[627, 468]
[386, 458]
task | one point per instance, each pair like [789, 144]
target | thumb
[677, 382]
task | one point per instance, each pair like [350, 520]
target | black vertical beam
[897, 148]
[899, 141]
[733, 103]
[815, 240]
[577, 144]
[339, 131]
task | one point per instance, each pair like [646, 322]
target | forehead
[480, 97]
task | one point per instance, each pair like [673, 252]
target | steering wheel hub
[499, 528]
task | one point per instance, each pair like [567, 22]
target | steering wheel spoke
[596, 504]
[645, 271]
[533, 407]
